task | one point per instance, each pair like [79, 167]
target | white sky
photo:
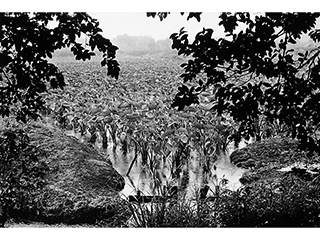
[129, 16]
[138, 24]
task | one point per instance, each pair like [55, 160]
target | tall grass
[289, 202]
[173, 213]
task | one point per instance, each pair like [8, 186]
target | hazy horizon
[115, 24]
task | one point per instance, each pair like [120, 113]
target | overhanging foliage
[256, 73]
[28, 41]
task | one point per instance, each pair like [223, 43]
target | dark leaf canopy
[256, 71]
[28, 41]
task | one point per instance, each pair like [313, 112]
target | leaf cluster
[135, 113]
[256, 71]
[21, 173]
[291, 202]
[27, 42]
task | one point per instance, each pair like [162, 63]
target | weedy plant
[70, 209]
[291, 202]
[21, 175]
[180, 212]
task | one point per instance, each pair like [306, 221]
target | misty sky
[138, 24]
[127, 16]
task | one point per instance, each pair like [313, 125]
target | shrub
[58, 206]
[21, 175]
[291, 202]
[173, 213]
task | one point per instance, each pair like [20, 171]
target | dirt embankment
[274, 158]
[74, 166]
[82, 185]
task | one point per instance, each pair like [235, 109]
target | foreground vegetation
[273, 199]
[65, 183]
[253, 83]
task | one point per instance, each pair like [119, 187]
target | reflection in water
[192, 177]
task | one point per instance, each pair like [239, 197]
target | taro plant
[180, 157]
[113, 132]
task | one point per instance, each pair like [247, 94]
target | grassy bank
[138, 106]
[50, 178]
[269, 197]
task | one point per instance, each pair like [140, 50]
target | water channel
[192, 177]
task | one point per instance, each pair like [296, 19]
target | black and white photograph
[159, 119]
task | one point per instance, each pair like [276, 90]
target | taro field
[130, 119]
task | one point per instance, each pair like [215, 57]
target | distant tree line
[141, 45]
[131, 45]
